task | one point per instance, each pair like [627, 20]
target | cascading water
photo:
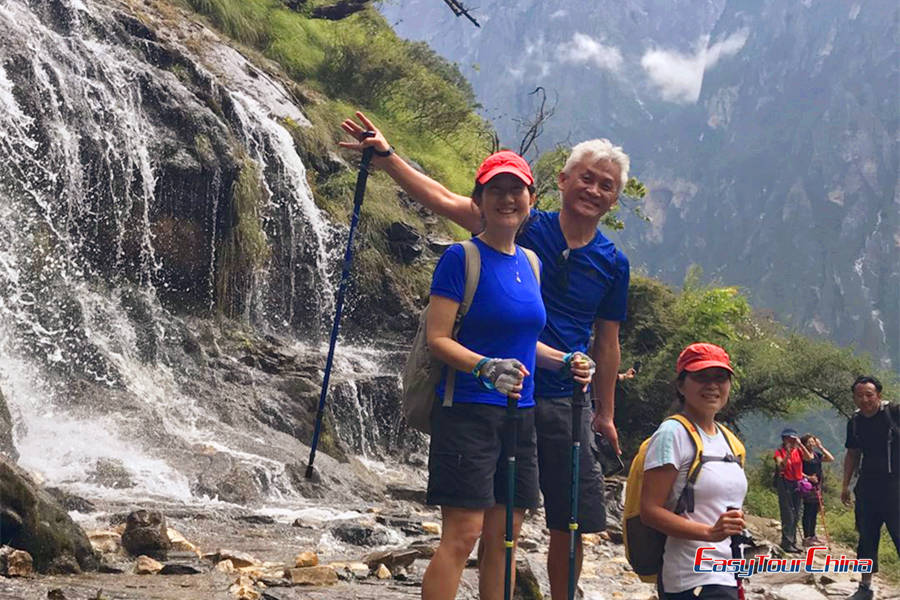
[132, 179]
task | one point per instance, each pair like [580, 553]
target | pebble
[306, 559]
[431, 527]
[147, 566]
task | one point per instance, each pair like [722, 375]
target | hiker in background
[629, 374]
[812, 499]
[494, 354]
[699, 515]
[585, 289]
[788, 481]
[873, 435]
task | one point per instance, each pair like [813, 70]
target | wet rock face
[32, 520]
[221, 478]
[111, 473]
[7, 448]
[360, 535]
[146, 534]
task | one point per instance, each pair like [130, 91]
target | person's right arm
[779, 462]
[655, 490]
[425, 190]
[851, 462]
[439, 330]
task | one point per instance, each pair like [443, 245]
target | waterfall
[120, 155]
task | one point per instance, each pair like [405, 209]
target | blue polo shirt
[578, 287]
[504, 320]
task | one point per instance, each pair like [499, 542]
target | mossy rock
[32, 520]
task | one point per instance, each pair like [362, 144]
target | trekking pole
[578, 402]
[822, 509]
[512, 405]
[339, 302]
[736, 552]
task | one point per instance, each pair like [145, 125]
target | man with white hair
[584, 286]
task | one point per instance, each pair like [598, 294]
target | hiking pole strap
[359, 194]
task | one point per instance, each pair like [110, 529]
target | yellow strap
[573, 526]
[698, 443]
[508, 544]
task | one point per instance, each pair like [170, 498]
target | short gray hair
[600, 149]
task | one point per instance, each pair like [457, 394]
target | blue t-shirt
[578, 287]
[504, 320]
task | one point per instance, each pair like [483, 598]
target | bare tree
[534, 126]
[460, 11]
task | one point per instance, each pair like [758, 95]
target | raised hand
[378, 141]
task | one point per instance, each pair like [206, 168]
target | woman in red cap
[494, 353]
[703, 384]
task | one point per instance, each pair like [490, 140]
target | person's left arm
[605, 353]
[581, 366]
[826, 455]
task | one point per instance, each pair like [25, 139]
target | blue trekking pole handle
[511, 405]
[339, 302]
[577, 407]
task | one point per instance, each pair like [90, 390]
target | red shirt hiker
[793, 463]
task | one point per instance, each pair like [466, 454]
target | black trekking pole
[577, 406]
[339, 302]
[737, 552]
[512, 405]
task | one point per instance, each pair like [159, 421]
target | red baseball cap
[505, 161]
[699, 356]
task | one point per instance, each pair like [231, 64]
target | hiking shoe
[863, 593]
[792, 549]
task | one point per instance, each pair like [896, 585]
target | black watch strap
[384, 153]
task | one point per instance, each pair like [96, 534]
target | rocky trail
[338, 552]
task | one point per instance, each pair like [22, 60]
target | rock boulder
[146, 533]
[32, 520]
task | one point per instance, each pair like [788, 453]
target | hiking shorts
[467, 466]
[553, 421]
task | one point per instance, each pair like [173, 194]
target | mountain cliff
[766, 132]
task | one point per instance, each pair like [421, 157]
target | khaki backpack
[422, 371]
[644, 545]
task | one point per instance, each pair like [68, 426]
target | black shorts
[467, 465]
[553, 420]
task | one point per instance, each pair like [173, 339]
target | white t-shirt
[718, 486]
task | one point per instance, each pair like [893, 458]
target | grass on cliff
[421, 102]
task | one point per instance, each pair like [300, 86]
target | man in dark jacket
[873, 435]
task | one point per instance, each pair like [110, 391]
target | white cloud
[560, 14]
[679, 76]
[585, 49]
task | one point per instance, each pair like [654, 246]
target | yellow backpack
[644, 545]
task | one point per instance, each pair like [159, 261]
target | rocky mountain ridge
[766, 133]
